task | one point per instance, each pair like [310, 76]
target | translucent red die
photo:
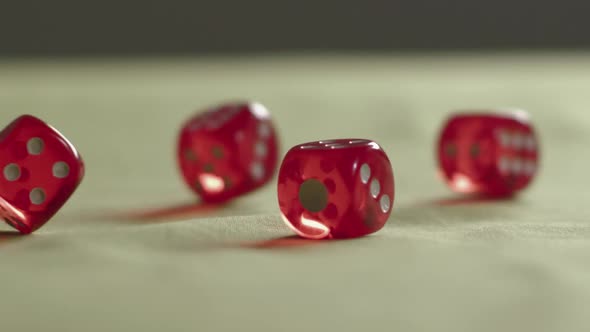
[489, 153]
[228, 150]
[340, 188]
[40, 171]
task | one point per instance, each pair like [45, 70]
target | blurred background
[148, 27]
[119, 78]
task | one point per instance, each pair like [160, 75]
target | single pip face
[488, 153]
[41, 170]
[228, 150]
[336, 188]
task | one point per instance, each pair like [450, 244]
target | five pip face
[339, 188]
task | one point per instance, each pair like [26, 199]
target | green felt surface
[520, 265]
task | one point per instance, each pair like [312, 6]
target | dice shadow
[289, 242]
[281, 243]
[468, 200]
[455, 209]
[433, 211]
[7, 236]
[148, 215]
[168, 213]
[194, 210]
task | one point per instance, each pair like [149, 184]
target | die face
[228, 151]
[41, 170]
[487, 153]
[517, 154]
[336, 188]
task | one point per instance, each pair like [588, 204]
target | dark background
[134, 27]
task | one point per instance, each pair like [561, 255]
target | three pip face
[336, 188]
[339, 188]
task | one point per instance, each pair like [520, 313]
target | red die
[41, 170]
[336, 189]
[493, 154]
[228, 150]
